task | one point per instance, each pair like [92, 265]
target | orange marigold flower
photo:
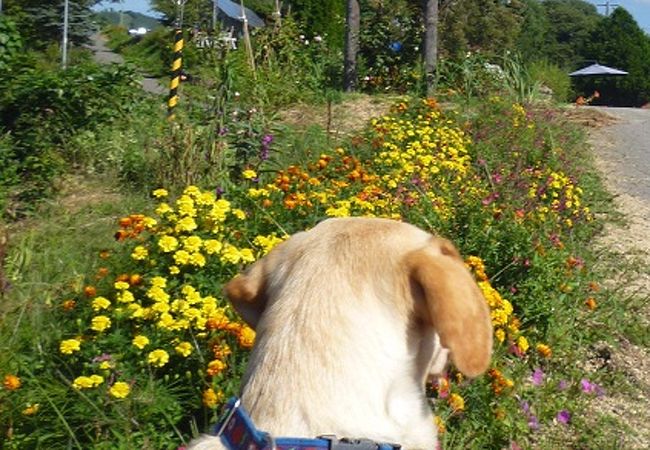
[69, 305]
[125, 222]
[101, 272]
[591, 303]
[456, 402]
[544, 350]
[90, 291]
[215, 367]
[135, 279]
[11, 382]
[123, 277]
[104, 254]
[594, 286]
[212, 398]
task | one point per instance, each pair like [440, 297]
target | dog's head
[421, 277]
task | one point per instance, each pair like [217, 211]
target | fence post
[175, 81]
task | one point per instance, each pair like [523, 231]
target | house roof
[234, 11]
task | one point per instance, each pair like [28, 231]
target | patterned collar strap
[238, 432]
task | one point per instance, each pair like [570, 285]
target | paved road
[625, 146]
[104, 55]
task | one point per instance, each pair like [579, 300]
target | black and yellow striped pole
[175, 81]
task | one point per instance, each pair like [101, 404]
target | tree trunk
[352, 27]
[430, 44]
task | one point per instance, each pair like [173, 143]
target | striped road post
[175, 74]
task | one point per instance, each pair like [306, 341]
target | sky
[640, 9]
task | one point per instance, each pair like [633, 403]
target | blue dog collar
[237, 432]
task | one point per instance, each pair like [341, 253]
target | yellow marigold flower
[163, 209]
[158, 294]
[249, 174]
[267, 242]
[212, 246]
[185, 206]
[197, 259]
[149, 223]
[456, 402]
[158, 358]
[140, 341]
[120, 389]
[106, 365]
[184, 349]
[256, 193]
[100, 323]
[69, 346]
[100, 303]
[31, 409]
[125, 297]
[174, 270]
[440, 424]
[215, 367]
[11, 382]
[159, 193]
[522, 343]
[84, 382]
[247, 255]
[160, 282]
[192, 243]
[499, 334]
[544, 350]
[186, 224]
[238, 213]
[246, 337]
[182, 257]
[139, 253]
[212, 398]
[167, 243]
[121, 285]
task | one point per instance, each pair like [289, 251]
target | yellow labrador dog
[352, 317]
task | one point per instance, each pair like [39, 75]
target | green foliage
[40, 22]
[553, 77]
[618, 41]
[325, 18]
[389, 42]
[43, 109]
[473, 25]
[11, 42]
[572, 23]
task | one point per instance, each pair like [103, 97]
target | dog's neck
[311, 381]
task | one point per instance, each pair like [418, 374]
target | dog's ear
[454, 305]
[247, 291]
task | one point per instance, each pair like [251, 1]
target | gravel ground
[622, 150]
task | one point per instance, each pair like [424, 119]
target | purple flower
[563, 385]
[563, 417]
[525, 406]
[591, 388]
[533, 423]
[538, 377]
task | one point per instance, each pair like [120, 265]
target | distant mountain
[128, 19]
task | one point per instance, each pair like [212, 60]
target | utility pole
[607, 4]
[64, 44]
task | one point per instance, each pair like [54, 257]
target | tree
[531, 42]
[352, 29]
[485, 25]
[571, 25]
[41, 22]
[618, 41]
[430, 44]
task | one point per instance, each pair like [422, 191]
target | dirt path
[622, 150]
[104, 55]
